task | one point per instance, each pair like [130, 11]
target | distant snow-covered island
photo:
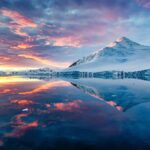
[32, 72]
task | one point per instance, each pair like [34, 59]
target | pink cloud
[67, 41]
[18, 21]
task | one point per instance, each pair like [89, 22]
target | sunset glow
[13, 79]
[46, 86]
[44, 61]
[22, 46]
[74, 74]
[56, 33]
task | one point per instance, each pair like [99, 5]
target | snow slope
[121, 55]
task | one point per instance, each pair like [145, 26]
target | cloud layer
[37, 33]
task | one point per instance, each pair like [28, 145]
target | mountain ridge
[121, 55]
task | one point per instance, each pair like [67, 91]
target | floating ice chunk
[25, 109]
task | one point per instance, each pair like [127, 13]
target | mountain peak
[123, 41]
[123, 54]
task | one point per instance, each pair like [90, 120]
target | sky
[55, 33]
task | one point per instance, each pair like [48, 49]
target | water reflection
[14, 79]
[77, 113]
[20, 127]
[46, 86]
[123, 94]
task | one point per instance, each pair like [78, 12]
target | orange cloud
[70, 106]
[46, 87]
[22, 102]
[22, 46]
[19, 21]
[44, 61]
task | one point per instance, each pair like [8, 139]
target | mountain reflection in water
[74, 114]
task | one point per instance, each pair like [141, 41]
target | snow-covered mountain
[121, 55]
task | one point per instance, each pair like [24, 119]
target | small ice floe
[25, 109]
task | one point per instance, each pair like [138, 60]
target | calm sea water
[74, 114]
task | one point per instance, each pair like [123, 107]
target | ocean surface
[74, 114]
